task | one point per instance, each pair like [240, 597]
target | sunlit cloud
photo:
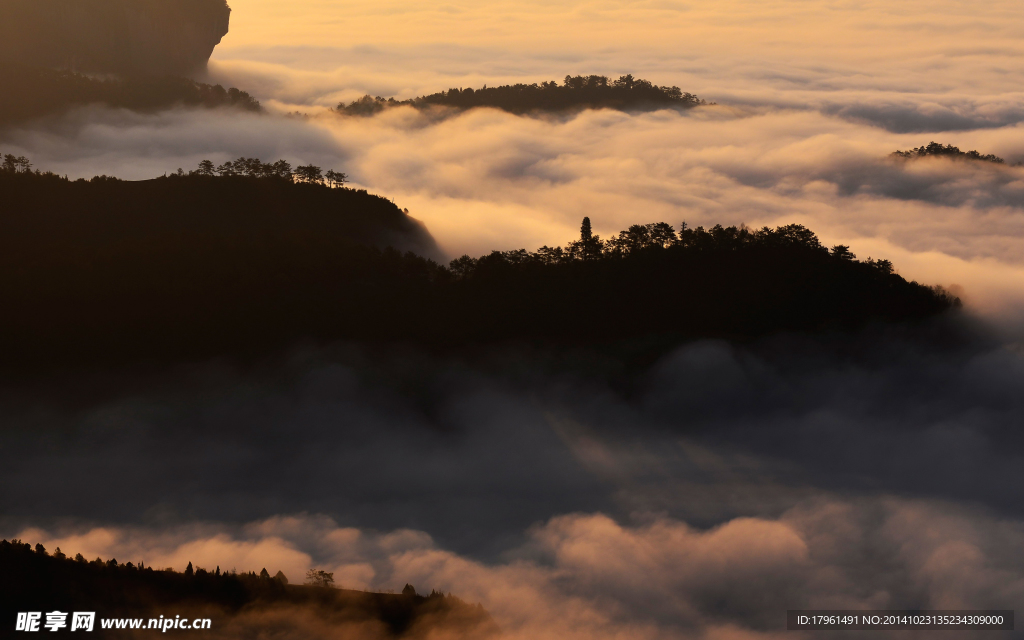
[584, 575]
[925, 57]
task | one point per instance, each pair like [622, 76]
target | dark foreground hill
[28, 92]
[236, 605]
[574, 94]
[196, 266]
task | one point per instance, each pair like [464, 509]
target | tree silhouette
[336, 178]
[309, 174]
[16, 164]
[586, 232]
[588, 247]
[661, 234]
[319, 578]
[842, 252]
[227, 169]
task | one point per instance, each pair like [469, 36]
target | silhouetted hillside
[194, 266]
[236, 605]
[113, 36]
[28, 92]
[576, 92]
[934, 149]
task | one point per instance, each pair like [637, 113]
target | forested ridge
[576, 92]
[936, 150]
[28, 92]
[194, 266]
[34, 579]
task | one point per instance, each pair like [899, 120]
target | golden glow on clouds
[897, 74]
[812, 97]
[602, 580]
[815, 27]
[719, 49]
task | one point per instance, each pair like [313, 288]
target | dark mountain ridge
[28, 92]
[195, 266]
[236, 605]
[113, 36]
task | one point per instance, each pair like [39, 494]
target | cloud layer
[488, 180]
[584, 575]
[699, 499]
[475, 450]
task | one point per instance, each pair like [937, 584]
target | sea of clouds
[700, 498]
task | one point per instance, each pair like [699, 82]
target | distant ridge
[936, 150]
[576, 92]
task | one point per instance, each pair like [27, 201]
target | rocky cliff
[127, 37]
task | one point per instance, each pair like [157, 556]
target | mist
[699, 497]
[704, 497]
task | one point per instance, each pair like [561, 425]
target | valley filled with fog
[700, 495]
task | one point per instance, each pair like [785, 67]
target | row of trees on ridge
[255, 168]
[935, 149]
[248, 167]
[575, 92]
[314, 577]
[640, 238]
